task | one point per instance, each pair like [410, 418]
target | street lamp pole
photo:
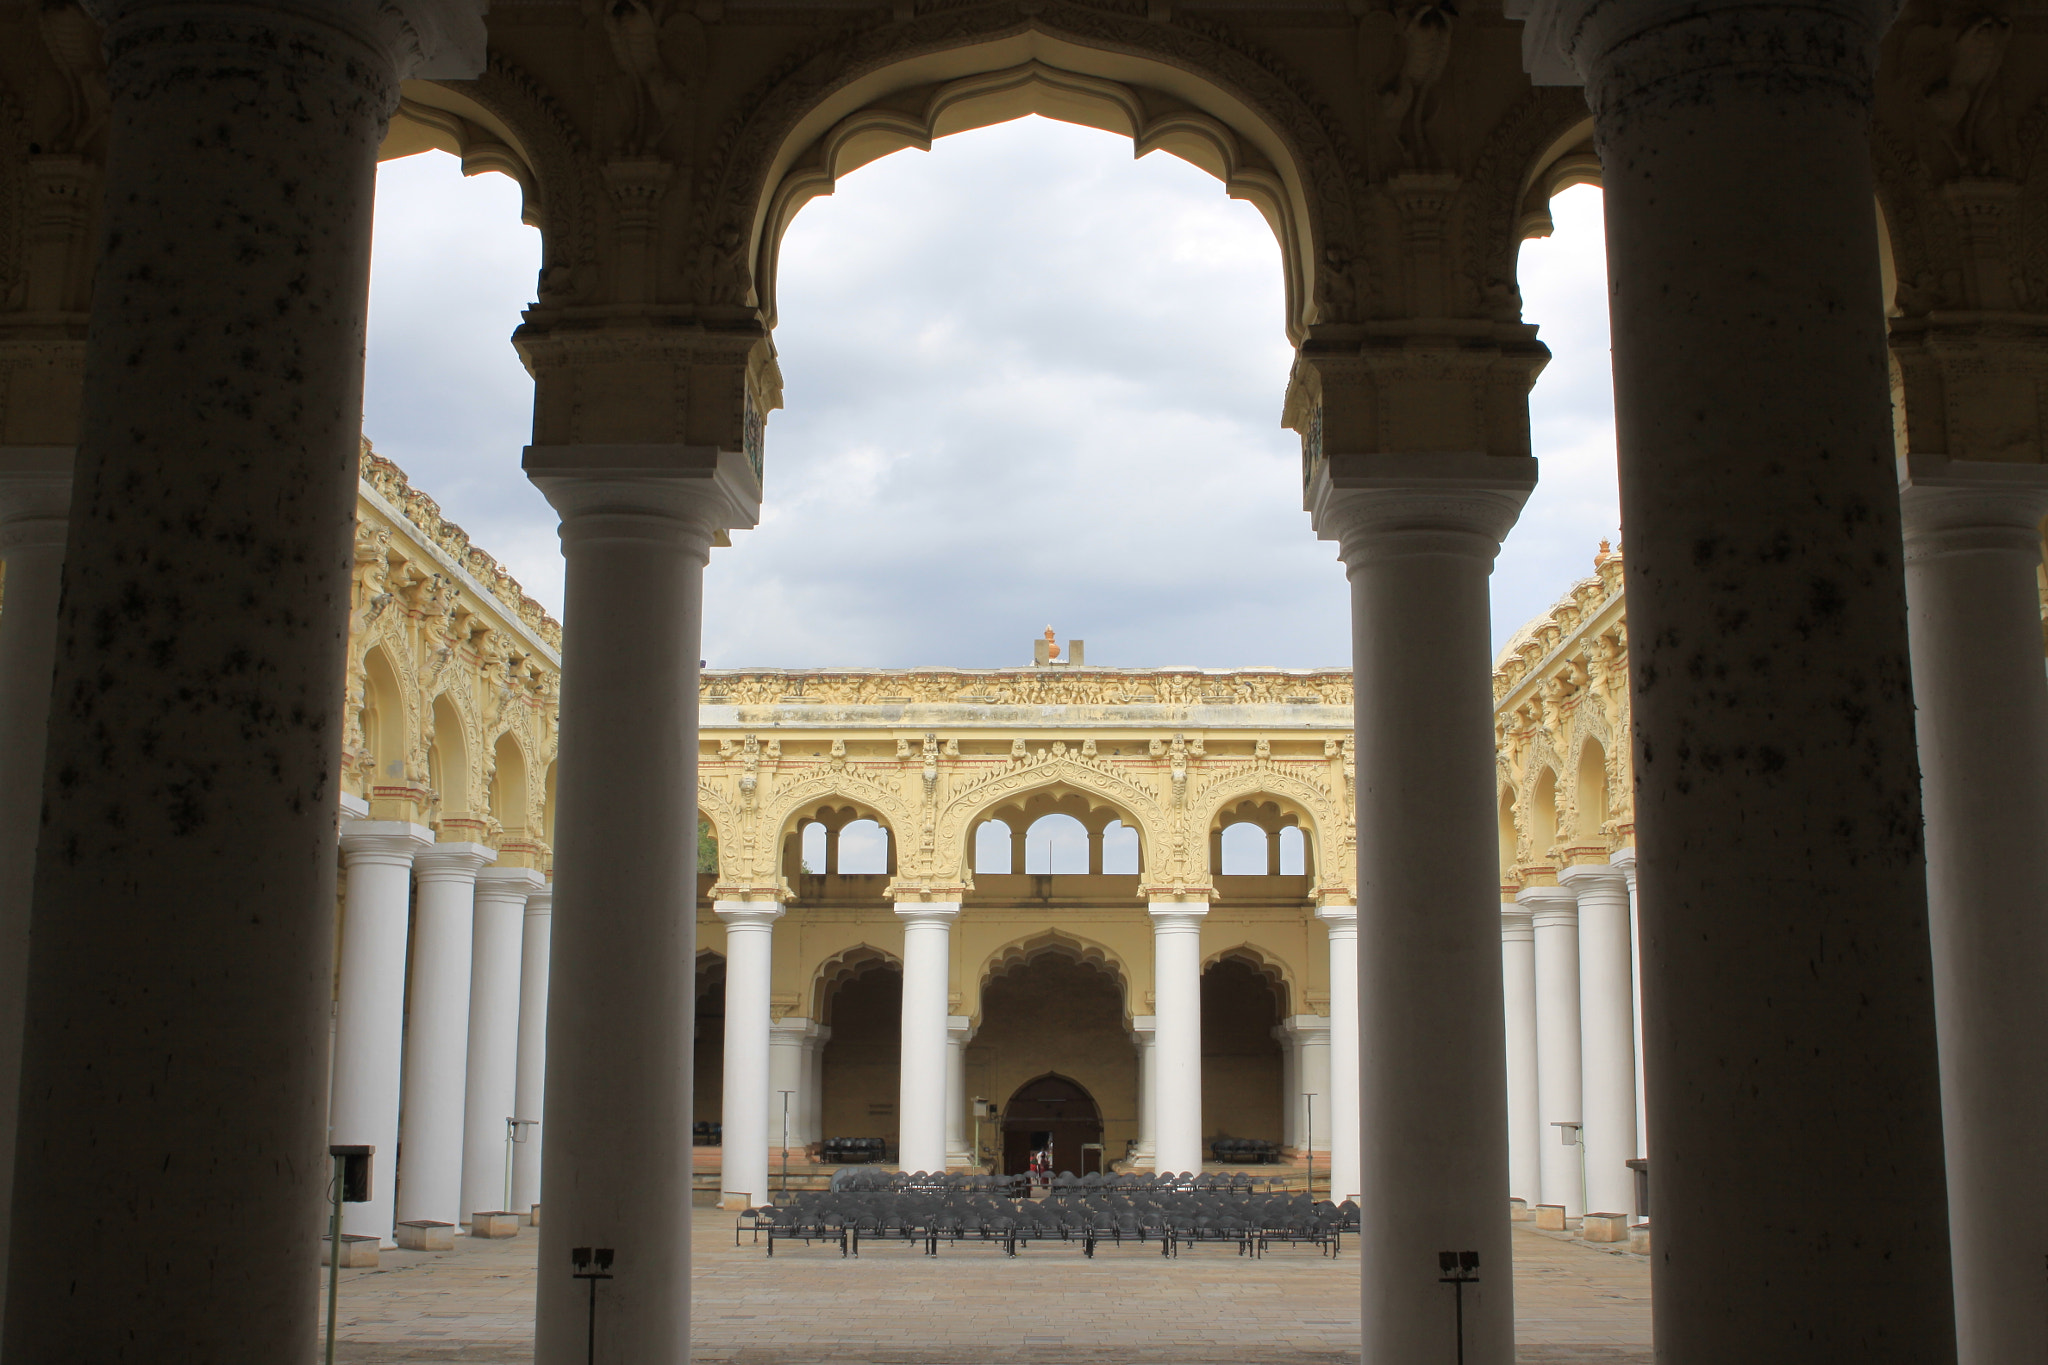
[1308, 1138]
[785, 1140]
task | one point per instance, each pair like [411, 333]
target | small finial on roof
[1601, 557]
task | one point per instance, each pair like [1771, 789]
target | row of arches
[1052, 1024]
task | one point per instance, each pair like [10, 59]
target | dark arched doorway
[1052, 1112]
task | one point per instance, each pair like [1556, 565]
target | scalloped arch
[1270, 965]
[1137, 807]
[1182, 85]
[843, 966]
[1030, 947]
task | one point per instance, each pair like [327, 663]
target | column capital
[452, 862]
[961, 1027]
[933, 912]
[427, 39]
[1590, 877]
[1616, 48]
[748, 914]
[647, 492]
[35, 497]
[1143, 1025]
[1307, 1028]
[1515, 926]
[393, 842]
[1342, 919]
[798, 1028]
[508, 882]
[1971, 506]
[1549, 905]
[541, 900]
[1171, 916]
[1395, 506]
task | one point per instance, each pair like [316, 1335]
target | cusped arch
[1267, 964]
[1053, 768]
[1020, 952]
[1314, 807]
[843, 966]
[1177, 87]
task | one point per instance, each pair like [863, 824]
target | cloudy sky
[1030, 381]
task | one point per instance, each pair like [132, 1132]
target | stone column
[1973, 552]
[1518, 990]
[1777, 788]
[959, 1031]
[637, 525]
[927, 983]
[213, 511]
[35, 500]
[1343, 926]
[437, 1033]
[1144, 1030]
[529, 1096]
[787, 1042]
[813, 1096]
[1312, 1077]
[369, 1006]
[1177, 1034]
[1554, 920]
[1417, 534]
[749, 966]
[1290, 1084]
[492, 1081]
[1625, 859]
[1607, 1038]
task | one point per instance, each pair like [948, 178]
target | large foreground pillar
[1789, 1029]
[749, 964]
[1418, 535]
[35, 501]
[369, 1006]
[1343, 1100]
[1973, 550]
[530, 1095]
[437, 1033]
[1177, 1034]
[927, 982]
[636, 534]
[175, 1056]
[1518, 993]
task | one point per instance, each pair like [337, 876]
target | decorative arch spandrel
[1055, 765]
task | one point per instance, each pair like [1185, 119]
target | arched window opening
[1120, 850]
[1244, 850]
[814, 840]
[864, 849]
[1543, 817]
[1056, 844]
[508, 787]
[1293, 851]
[1591, 793]
[448, 759]
[992, 847]
[1507, 835]
[383, 718]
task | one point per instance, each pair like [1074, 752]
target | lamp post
[1308, 1139]
[515, 1131]
[785, 1141]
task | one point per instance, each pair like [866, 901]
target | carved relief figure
[1949, 57]
[642, 33]
[1409, 101]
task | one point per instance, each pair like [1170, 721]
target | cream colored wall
[1055, 1014]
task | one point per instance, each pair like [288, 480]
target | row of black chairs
[1170, 1218]
[853, 1151]
[704, 1134]
[1016, 1186]
[1244, 1151]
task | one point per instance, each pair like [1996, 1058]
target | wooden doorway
[1052, 1112]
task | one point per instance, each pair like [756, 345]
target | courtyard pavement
[973, 1306]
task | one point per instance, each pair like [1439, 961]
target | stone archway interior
[707, 1103]
[1055, 1016]
[1242, 1064]
[862, 1062]
[1052, 1114]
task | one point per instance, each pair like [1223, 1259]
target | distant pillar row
[1177, 1034]
[927, 979]
[437, 1032]
[749, 960]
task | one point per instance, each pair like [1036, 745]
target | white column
[1177, 1034]
[1518, 991]
[959, 1030]
[786, 1046]
[1553, 915]
[437, 1033]
[1417, 534]
[1290, 1083]
[1625, 859]
[1144, 1031]
[35, 501]
[492, 1085]
[927, 981]
[1342, 921]
[529, 1096]
[1973, 550]
[812, 1097]
[749, 970]
[1607, 1036]
[369, 1008]
[1312, 1077]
